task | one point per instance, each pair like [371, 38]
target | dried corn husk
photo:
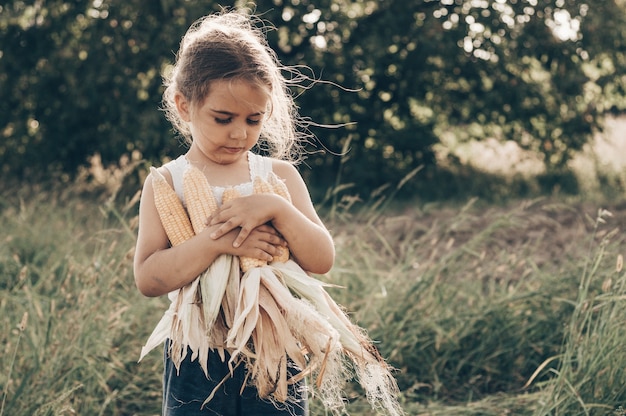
[372, 372]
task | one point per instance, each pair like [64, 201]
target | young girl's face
[228, 123]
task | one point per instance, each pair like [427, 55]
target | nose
[238, 132]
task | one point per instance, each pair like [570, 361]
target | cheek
[207, 130]
[256, 131]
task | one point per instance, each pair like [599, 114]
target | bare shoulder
[166, 174]
[298, 189]
[147, 184]
[284, 169]
[288, 172]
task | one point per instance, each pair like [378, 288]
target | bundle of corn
[258, 314]
[189, 324]
[272, 315]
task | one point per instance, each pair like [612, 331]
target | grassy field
[515, 309]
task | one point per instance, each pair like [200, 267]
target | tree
[83, 77]
[541, 73]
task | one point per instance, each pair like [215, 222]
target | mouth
[233, 149]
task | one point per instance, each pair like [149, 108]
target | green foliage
[491, 66]
[80, 78]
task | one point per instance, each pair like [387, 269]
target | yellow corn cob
[247, 263]
[229, 194]
[283, 256]
[201, 202]
[261, 186]
[279, 187]
[171, 211]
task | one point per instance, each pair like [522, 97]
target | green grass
[483, 309]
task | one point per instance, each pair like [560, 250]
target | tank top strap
[177, 169]
[259, 165]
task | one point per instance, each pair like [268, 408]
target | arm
[160, 268]
[308, 239]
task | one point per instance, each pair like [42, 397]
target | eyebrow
[231, 114]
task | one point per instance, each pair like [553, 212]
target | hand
[263, 242]
[246, 213]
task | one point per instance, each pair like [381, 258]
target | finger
[271, 250]
[272, 234]
[219, 216]
[263, 255]
[268, 229]
[215, 218]
[225, 228]
[269, 235]
[241, 237]
[276, 240]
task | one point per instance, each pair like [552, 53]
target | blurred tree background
[80, 78]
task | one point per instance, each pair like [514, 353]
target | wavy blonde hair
[232, 46]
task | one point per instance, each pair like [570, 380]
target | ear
[183, 106]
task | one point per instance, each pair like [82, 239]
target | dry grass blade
[539, 370]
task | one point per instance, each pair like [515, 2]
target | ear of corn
[201, 202]
[171, 211]
[283, 255]
[248, 263]
[213, 284]
[274, 185]
[278, 186]
[246, 313]
[260, 186]
[229, 302]
[230, 193]
[187, 309]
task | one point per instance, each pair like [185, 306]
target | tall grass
[483, 310]
[67, 263]
[591, 376]
[469, 303]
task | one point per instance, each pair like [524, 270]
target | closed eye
[223, 120]
[229, 120]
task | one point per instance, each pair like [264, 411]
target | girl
[226, 95]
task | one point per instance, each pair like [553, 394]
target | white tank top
[257, 165]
